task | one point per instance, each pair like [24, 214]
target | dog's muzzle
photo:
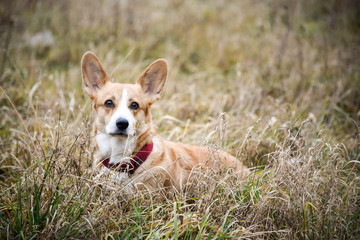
[121, 127]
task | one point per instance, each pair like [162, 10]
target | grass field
[275, 83]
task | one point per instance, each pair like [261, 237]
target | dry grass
[275, 83]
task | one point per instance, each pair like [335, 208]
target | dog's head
[122, 110]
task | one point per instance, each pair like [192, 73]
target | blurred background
[268, 63]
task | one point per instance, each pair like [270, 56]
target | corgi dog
[128, 146]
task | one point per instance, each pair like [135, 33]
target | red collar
[135, 161]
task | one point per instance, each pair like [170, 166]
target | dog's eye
[134, 105]
[109, 104]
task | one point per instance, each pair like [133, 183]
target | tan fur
[173, 161]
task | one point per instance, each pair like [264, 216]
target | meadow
[275, 83]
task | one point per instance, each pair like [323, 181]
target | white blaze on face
[122, 111]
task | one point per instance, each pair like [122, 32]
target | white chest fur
[117, 148]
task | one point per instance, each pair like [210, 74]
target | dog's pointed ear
[152, 81]
[93, 74]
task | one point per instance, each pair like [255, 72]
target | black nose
[122, 123]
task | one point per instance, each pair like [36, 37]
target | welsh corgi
[128, 146]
